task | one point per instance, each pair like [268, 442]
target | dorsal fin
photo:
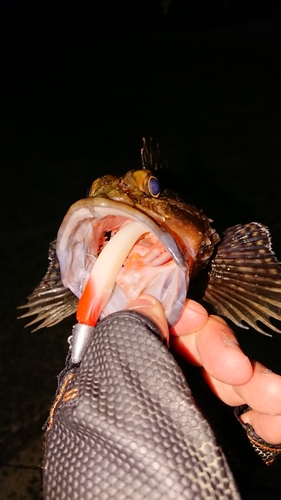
[151, 157]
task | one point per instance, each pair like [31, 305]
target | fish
[136, 238]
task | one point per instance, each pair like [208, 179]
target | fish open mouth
[125, 254]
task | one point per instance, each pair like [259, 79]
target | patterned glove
[124, 424]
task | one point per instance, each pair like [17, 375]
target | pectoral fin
[50, 300]
[245, 278]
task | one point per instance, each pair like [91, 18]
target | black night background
[81, 83]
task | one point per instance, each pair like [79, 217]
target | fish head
[137, 239]
[187, 224]
[130, 242]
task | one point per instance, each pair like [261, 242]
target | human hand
[208, 341]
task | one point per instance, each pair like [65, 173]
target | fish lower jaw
[133, 262]
[163, 283]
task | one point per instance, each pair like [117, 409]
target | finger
[262, 392]
[221, 355]
[183, 338]
[185, 345]
[215, 347]
[151, 307]
[193, 318]
[268, 427]
[224, 391]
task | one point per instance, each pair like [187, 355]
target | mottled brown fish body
[244, 281]
[188, 225]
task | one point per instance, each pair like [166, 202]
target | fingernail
[196, 307]
[245, 418]
[262, 369]
[267, 371]
[230, 342]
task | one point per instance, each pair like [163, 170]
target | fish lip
[104, 204]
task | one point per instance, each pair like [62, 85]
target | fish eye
[153, 186]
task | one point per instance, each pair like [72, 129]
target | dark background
[81, 83]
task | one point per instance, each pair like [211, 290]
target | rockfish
[132, 238]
